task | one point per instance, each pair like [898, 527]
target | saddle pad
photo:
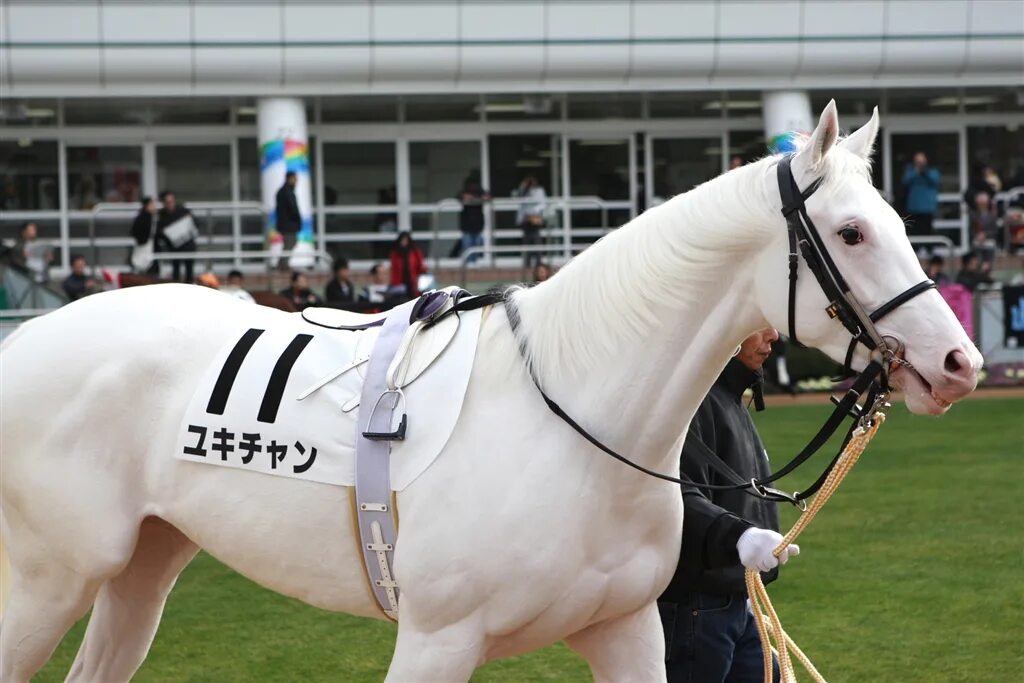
[246, 411]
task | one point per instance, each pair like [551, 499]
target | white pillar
[785, 112]
[284, 146]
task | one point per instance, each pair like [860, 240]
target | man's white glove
[755, 547]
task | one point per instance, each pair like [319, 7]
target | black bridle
[872, 383]
[843, 304]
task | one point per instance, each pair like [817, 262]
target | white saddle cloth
[311, 434]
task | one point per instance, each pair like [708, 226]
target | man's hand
[755, 547]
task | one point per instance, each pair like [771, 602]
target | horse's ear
[862, 141]
[821, 141]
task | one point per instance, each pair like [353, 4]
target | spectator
[143, 231]
[471, 220]
[377, 292]
[288, 220]
[735, 162]
[235, 286]
[299, 293]
[176, 232]
[936, 270]
[985, 227]
[983, 179]
[541, 273]
[78, 284]
[530, 215]
[921, 183]
[407, 265]
[710, 632]
[972, 272]
[30, 255]
[340, 289]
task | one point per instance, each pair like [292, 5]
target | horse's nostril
[952, 364]
[957, 363]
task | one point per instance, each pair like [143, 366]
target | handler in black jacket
[710, 634]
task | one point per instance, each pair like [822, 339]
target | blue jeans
[472, 239]
[712, 639]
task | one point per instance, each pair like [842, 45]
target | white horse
[521, 533]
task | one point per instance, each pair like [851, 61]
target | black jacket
[143, 228]
[288, 218]
[340, 291]
[714, 520]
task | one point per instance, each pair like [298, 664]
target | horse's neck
[631, 335]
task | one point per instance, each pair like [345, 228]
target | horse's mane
[623, 286]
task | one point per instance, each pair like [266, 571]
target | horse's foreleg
[446, 655]
[624, 649]
[129, 605]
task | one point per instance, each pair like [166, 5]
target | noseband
[843, 304]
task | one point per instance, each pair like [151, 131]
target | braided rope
[765, 616]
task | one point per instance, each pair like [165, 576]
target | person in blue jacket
[921, 183]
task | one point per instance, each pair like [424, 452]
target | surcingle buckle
[398, 434]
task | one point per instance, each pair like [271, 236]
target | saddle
[291, 380]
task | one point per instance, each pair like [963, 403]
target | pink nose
[958, 367]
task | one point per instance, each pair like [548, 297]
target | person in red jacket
[407, 264]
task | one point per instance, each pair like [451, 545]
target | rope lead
[767, 619]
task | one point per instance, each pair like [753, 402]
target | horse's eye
[851, 234]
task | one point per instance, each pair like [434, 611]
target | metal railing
[553, 207]
[942, 241]
[199, 210]
[557, 249]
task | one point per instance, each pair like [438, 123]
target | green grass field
[912, 573]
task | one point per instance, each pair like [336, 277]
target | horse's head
[868, 243]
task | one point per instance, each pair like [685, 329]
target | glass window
[994, 99]
[923, 101]
[246, 111]
[1002, 148]
[856, 103]
[443, 108]
[605, 106]
[359, 173]
[103, 174]
[28, 113]
[737, 105]
[512, 157]
[249, 179]
[438, 170]
[681, 164]
[683, 104]
[195, 173]
[599, 167]
[523, 107]
[28, 171]
[746, 146]
[358, 108]
[146, 111]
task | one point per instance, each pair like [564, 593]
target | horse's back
[99, 375]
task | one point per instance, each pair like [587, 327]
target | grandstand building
[612, 105]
